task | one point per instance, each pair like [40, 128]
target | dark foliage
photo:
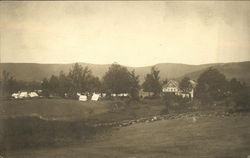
[175, 102]
[212, 86]
[240, 94]
[119, 80]
[9, 85]
[152, 82]
[185, 85]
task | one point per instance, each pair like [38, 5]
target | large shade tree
[63, 84]
[116, 79]
[212, 85]
[152, 82]
[134, 85]
[185, 84]
[79, 79]
[119, 80]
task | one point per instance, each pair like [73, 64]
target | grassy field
[65, 109]
[209, 137]
[62, 132]
[58, 122]
[53, 108]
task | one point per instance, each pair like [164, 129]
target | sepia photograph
[125, 79]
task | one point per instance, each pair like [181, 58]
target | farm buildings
[173, 87]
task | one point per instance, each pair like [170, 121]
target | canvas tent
[15, 95]
[104, 94]
[95, 97]
[83, 98]
[78, 94]
[23, 95]
[33, 94]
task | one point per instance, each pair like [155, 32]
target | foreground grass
[213, 137]
[53, 108]
[93, 112]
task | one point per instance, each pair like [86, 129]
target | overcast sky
[130, 33]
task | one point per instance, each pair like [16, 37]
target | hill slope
[32, 71]
[238, 70]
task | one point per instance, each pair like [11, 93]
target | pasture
[50, 128]
[63, 109]
[210, 137]
[66, 109]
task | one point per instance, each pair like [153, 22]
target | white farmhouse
[173, 87]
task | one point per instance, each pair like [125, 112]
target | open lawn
[66, 109]
[53, 108]
[208, 137]
[64, 131]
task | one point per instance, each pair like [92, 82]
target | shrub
[176, 103]
[117, 105]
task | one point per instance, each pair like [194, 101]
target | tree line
[212, 85]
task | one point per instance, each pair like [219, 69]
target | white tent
[83, 98]
[33, 94]
[104, 94]
[23, 95]
[120, 95]
[95, 97]
[123, 94]
[15, 95]
[78, 94]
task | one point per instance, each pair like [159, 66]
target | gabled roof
[175, 83]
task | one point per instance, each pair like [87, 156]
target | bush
[176, 103]
[164, 111]
[171, 99]
[152, 97]
[117, 105]
[242, 99]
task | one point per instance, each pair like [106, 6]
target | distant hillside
[36, 72]
[239, 70]
[32, 71]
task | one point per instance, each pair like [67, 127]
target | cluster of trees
[211, 85]
[81, 80]
[119, 80]
[8, 84]
[212, 88]
[78, 79]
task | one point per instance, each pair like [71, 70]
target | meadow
[208, 137]
[67, 109]
[44, 128]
